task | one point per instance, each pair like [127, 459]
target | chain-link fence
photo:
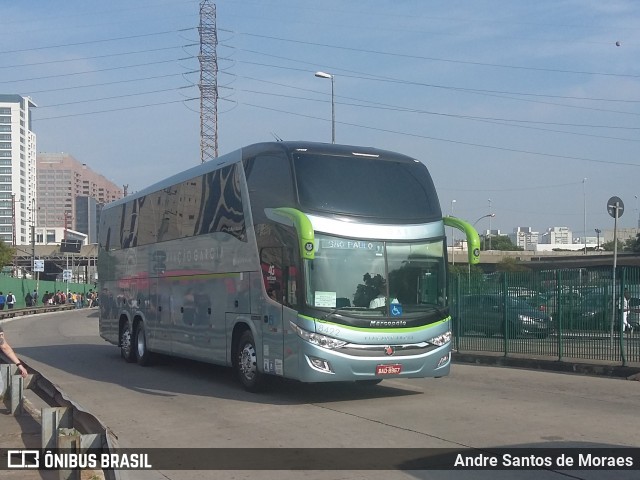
[578, 313]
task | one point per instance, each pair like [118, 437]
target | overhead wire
[457, 142]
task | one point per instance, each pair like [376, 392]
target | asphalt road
[184, 404]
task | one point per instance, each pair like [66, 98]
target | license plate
[394, 369]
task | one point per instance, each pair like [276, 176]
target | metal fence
[562, 314]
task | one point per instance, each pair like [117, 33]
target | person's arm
[11, 355]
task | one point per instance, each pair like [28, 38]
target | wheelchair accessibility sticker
[396, 309]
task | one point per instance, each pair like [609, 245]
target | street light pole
[333, 105]
[637, 216]
[584, 208]
[453, 238]
[488, 215]
[33, 236]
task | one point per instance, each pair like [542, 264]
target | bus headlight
[441, 339]
[317, 339]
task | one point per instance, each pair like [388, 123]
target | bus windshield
[369, 275]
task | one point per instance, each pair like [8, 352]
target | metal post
[613, 277]
[453, 238]
[333, 113]
[584, 198]
[17, 394]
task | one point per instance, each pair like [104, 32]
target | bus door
[274, 278]
[152, 315]
[156, 305]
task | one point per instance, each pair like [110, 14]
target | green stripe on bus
[383, 330]
[304, 229]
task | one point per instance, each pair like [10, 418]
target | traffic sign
[38, 265]
[611, 207]
[66, 275]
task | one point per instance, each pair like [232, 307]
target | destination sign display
[340, 244]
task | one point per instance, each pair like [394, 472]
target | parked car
[486, 313]
[591, 312]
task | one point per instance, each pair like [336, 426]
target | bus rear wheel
[126, 343]
[246, 363]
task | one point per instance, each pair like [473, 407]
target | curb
[603, 369]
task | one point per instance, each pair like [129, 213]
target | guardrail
[65, 425]
[14, 312]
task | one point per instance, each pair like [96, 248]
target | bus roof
[241, 153]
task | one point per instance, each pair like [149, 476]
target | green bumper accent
[473, 239]
[380, 330]
[304, 229]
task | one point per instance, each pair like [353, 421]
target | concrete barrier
[65, 425]
[15, 312]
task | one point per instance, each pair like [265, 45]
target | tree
[464, 269]
[501, 242]
[608, 246]
[7, 253]
[632, 244]
[510, 264]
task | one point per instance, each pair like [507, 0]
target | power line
[67, 60]
[134, 107]
[368, 76]
[115, 82]
[92, 42]
[457, 142]
[40, 107]
[46, 77]
[458, 89]
[436, 59]
[497, 119]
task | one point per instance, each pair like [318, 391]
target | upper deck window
[378, 188]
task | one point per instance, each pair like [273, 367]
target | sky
[526, 110]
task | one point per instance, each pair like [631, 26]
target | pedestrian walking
[11, 300]
[28, 300]
[625, 312]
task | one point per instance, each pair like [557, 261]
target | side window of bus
[272, 274]
[280, 273]
[270, 184]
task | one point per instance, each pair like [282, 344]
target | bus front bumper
[323, 365]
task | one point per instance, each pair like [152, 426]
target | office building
[61, 181]
[524, 237]
[558, 236]
[17, 170]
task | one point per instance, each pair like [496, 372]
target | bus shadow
[170, 376]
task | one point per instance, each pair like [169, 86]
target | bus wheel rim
[248, 361]
[126, 341]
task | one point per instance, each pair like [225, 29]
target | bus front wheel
[246, 363]
[126, 343]
[143, 355]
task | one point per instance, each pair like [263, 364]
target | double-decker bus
[316, 262]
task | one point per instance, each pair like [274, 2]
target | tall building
[87, 217]
[525, 237]
[17, 170]
[557, 235]
[61, 180]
